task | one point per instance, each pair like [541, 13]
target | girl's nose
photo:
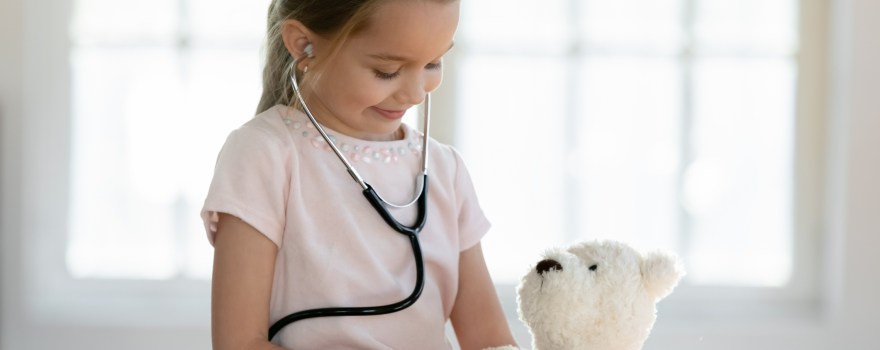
[414, 90]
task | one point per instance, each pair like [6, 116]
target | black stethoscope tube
[411, 232]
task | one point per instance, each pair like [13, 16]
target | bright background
[739, 134]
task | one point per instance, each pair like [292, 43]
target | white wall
[10, 110]
[847, 313]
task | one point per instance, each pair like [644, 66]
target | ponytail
[276, 69]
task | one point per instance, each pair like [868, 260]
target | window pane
[738, 188]
[521, 25]
[511, 127]
[118, 220]
[652, 144]
[752, 25]
[147, 126]
[632, 24]
[156, 88]
[628, 150]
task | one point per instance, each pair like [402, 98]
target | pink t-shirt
[279, 176]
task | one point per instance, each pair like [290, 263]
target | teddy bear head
[595, 295]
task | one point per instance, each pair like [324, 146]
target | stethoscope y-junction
[381, 207]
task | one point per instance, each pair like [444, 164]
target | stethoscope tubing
[412, 232]
[348, 167]
[380, 205]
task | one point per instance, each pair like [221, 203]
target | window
[660, 123]
[154, 96]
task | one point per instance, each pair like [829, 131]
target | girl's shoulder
[266, 129]
[445, 157]
[443, 151]
[271, 122]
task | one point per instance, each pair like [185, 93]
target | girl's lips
[394, 115]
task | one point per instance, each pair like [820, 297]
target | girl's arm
[477, 317]
[244, 263]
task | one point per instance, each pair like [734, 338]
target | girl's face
[384, 69]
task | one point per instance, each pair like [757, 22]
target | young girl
[290, 228]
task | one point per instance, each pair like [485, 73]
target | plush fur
[596, 295]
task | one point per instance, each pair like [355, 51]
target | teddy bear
[595, 295]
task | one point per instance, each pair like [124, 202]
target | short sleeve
[472, 222]
[251, 182]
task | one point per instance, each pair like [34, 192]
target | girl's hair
[334, 19]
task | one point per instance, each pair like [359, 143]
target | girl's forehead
[410, 28]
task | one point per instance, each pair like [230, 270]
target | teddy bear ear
[661, 272]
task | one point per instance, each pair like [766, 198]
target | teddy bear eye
[594, 267]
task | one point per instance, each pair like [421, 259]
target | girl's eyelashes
[388, 76]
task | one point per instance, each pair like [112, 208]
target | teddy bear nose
[547, 265]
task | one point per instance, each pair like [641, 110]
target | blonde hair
[334, 19]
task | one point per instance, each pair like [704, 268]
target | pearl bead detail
[354, 152]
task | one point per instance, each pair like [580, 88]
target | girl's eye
[386, 76]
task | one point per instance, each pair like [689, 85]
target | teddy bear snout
[548, 265]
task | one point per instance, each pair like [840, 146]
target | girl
[291, 230]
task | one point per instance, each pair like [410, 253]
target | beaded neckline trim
[358, 152]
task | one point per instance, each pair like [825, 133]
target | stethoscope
[380, 205]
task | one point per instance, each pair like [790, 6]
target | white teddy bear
[596, 295]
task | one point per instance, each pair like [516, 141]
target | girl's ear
[296, 37]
